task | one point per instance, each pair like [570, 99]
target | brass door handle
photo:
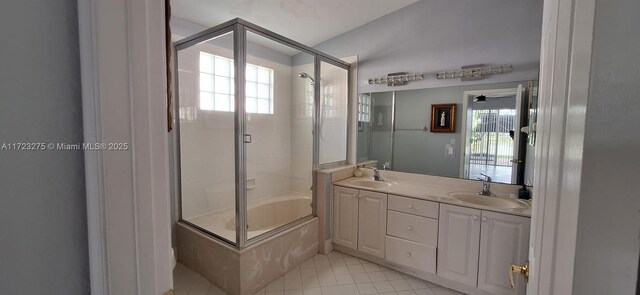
[516, 161]
[521, 269]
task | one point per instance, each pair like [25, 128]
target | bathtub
[263, 215]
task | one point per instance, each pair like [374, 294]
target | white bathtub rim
[218, 219]
[232, 209]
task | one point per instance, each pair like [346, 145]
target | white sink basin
[495, 202]
[372, 183]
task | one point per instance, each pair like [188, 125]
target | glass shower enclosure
[257, 114]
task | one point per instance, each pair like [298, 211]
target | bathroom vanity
[439, 232]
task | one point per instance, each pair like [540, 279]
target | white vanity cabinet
[504, 239]
[470, 248]
[360, 220]
[345, 217]
[458, 244]
[412, 233]
[477, 247]
[372, 222]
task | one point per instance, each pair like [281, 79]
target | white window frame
[256, 83]
[253, 83]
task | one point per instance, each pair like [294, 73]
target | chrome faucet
[376, 174]
[486, 186]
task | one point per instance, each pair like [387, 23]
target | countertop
[436, 193]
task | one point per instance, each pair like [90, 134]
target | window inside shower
[217, 83]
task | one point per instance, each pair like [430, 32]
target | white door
[372, 223]
[504, 240]
[517, 134]
[345, 217]
[458, 244]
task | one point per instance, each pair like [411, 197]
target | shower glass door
[382, 129]
[251, 134]
[334, 95]
[206, 129]
[279, 108]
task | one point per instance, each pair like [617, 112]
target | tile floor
[333, 274]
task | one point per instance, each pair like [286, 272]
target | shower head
[304, 75]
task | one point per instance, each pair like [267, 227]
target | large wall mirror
[457, 99]
[457, 131]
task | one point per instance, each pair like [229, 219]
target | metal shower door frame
[240, 27]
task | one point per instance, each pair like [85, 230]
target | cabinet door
[458, 244]
[345, 217]
[504, 239]
[372, 223]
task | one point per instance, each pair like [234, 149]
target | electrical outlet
[449, 151]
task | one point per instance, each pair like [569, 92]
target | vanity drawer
[414, 228]
[411, 254]
[414, 206]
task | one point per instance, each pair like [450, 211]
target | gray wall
[43, 244]
[608, 243]
[421, 152]
[438, 35]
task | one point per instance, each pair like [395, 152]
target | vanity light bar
[475, 72]
[397, 79]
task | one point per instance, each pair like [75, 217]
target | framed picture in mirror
[443, 118]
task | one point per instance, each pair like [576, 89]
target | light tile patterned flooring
[332, 274]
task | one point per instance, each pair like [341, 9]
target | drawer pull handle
[409, 227]
[485, 218]
[408, 254]
[475, 217]
[411, 206]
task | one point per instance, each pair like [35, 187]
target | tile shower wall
[301, 130]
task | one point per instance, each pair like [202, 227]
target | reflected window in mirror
[364, 108]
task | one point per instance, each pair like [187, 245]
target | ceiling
[307, 21]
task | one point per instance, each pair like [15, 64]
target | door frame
[124, 101]
[565, 64]
[464, 146]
